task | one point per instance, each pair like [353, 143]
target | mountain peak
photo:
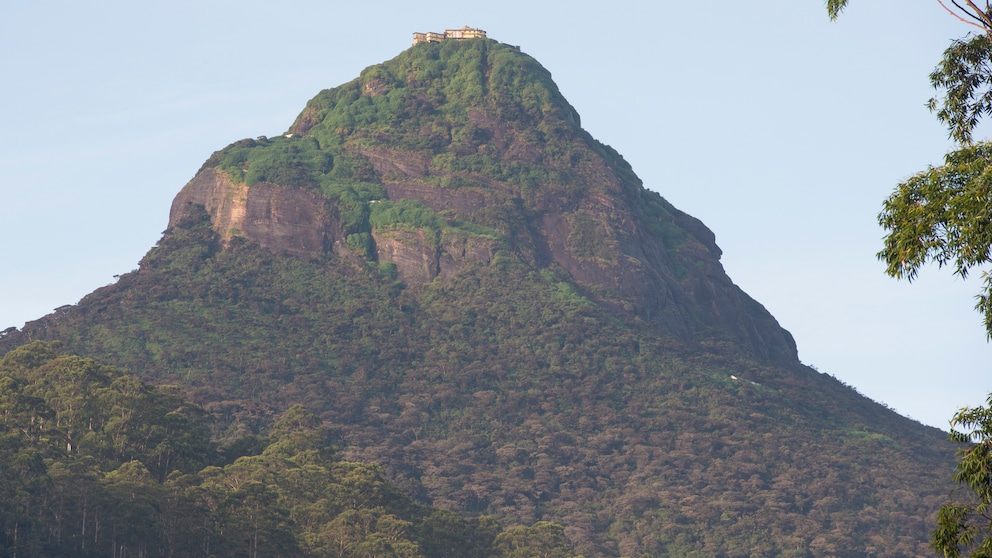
[460, 151]
[440, 80]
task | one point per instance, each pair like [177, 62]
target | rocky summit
[472, 291]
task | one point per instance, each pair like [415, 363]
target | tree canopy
[943, 214]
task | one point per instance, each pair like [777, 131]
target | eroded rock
[281, 218]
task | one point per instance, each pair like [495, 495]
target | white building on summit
[463, 33]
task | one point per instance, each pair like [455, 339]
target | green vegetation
[943, 215]
[427, 89]
[405, 214]
[659, 218]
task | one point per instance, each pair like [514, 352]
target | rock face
[281, 218]
[420, 259]
[524, 169]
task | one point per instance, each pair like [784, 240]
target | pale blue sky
[782, 131]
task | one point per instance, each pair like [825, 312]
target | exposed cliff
[280, 218]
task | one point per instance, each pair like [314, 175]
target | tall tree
[944, 215]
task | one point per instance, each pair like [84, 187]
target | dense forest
[478, 297]
[96, 463]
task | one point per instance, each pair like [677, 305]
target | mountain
[472, 291]
[480, 137]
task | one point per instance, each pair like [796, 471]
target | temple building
[463, 33]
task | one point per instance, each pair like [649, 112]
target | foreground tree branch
[943, 215]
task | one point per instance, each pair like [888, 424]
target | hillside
[437, 260]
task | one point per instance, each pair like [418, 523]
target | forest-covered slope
[440, 263]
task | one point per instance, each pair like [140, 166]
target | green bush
[363, 244]
[388, 270]
[404, 213]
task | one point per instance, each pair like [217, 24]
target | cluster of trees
[98, 464]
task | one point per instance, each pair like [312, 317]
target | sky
[782, 131]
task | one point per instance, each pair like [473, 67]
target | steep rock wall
[282, 219]
[300, 222]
